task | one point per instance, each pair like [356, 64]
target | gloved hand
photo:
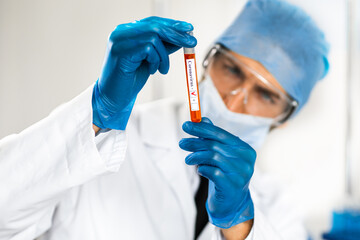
[228, 163]
[135, 50]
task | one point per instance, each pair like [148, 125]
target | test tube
[192, 83]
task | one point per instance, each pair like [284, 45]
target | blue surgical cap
[285, 40]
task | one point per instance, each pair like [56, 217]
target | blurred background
[50, 51]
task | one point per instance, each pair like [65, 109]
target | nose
[236, 100]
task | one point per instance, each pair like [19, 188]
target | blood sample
[192, 84]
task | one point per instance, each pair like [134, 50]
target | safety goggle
[245, 89]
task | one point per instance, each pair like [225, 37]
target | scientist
[259, 73]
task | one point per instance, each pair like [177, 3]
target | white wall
[52, 50]
[353, 153]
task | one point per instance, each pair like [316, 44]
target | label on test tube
[192, 84]
[193, 91]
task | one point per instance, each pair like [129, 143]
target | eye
[234, 70]
[267, 96]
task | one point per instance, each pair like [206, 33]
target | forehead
[259, 68]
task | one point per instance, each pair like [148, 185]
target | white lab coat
[59, 181]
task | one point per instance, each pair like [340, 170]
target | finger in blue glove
[228, 163]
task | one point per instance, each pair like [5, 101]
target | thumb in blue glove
[228, 163]
[135, 50]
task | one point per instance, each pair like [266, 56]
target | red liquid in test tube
[192, 84]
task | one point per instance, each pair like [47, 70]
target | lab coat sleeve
[45, 160]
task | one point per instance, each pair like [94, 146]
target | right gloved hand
[135, 50]
[228, 163]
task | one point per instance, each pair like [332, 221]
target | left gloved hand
[135, 51]
[228, 163]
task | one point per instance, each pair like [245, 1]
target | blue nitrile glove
[135, 50]
[228, 163]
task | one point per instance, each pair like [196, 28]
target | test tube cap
[189, 50]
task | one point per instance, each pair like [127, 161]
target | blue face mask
[251, 129]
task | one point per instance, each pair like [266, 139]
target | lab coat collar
[160, 123]
[159, 128]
